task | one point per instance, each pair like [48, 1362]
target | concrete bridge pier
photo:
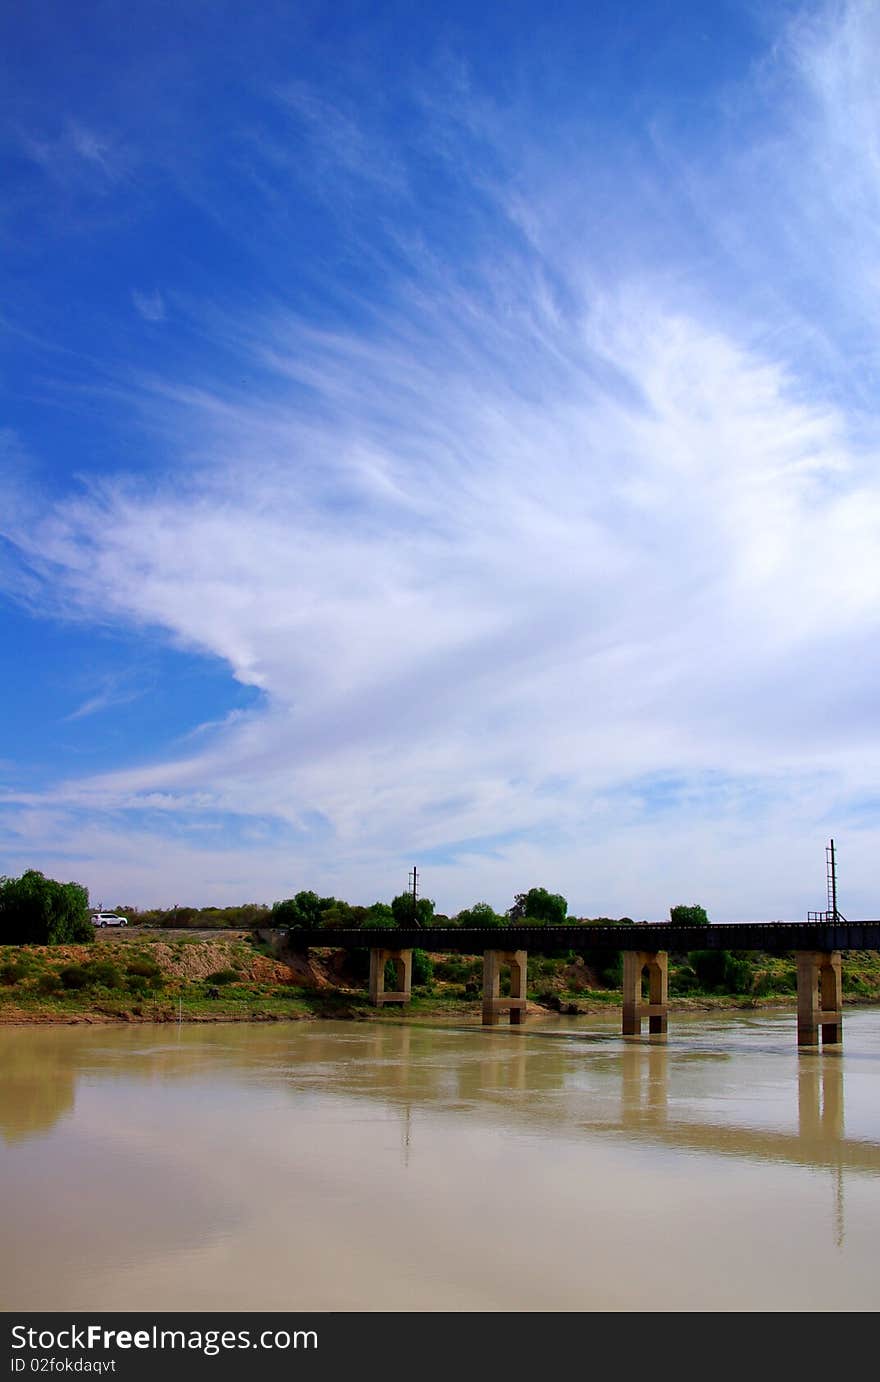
[656, 1010]
[820, 997]
[493, 1003]
[402, 960]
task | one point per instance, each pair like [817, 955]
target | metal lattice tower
[832, 914]
[831, 879]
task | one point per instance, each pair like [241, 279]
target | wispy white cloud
[76, 151]
[565, 585]
[527, 540]
[151, 306]
[110, 696]
[341, 140]
[92, 147]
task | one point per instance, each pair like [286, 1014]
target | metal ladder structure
[832, 914]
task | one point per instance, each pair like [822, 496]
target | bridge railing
[769, 936]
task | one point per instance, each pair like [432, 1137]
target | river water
[361, 1166]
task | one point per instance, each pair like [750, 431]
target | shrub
[14, 972]
[143, 975]
[719, 969]
[452, 970]
[708, 966]
[606, 964]
[49, 982]
[105, 973]
[608, 967]
[75, 977]
[180, 916]
[422, 967]
[222, 976]
[738, 974]
[145, 969]
[244, 917]
[683, 979]
[855, 983]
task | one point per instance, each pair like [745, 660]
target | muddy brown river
[360, 1166]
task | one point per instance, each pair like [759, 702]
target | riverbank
[172, 977]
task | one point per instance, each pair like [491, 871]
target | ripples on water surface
[343, 1166]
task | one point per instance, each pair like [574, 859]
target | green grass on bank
[145, 978]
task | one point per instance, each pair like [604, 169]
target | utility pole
[414, 890]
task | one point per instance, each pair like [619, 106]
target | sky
[441, 435]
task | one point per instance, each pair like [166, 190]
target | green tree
[306, 909]
[538, 905]
[379, 917]
[688, 916]
[35, 910]
[406, 915]
[337, 915]
[481, 914]
[309, 905]
[286, 913]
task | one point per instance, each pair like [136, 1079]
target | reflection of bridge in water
[733, 1089]
[604, 1085]
[639, 1108]
[645, 949]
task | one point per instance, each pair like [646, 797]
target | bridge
[645, 949]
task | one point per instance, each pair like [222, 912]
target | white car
[109, 919]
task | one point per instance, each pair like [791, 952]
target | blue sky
[446, 437]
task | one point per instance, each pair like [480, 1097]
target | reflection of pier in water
[643, 1112]
[641, 1109]
[819, 1141]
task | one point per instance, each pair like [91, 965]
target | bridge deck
[769, 936]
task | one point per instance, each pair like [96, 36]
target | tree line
[37, 910]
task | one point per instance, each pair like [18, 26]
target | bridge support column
[656, 1010]
[493, 1003]
[820, 997]
[402, 960]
